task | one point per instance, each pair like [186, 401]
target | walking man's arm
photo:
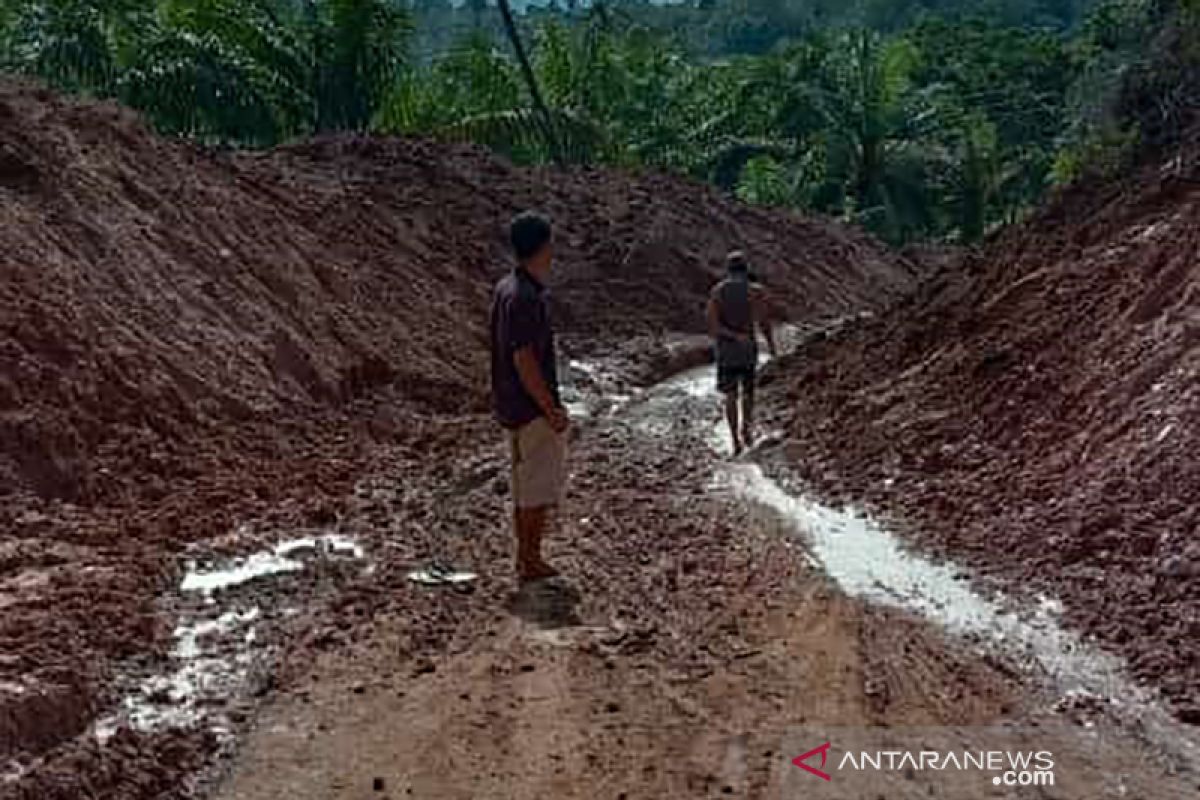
[715, 328]
[762, 315]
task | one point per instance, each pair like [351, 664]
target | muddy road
[208, 357]
[711, 622]
[240, 409]
[715, 622]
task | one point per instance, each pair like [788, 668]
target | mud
[694, 632]
[203, 353]
[869, 562]
[243, 400]
[1032, 413]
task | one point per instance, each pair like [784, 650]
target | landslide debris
[192, 339]
[1035, 410]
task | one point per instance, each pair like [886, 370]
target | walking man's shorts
[539, 464]
[730, 378]
[736, 365]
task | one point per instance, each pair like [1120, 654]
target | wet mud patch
[167, 713]
[1070, 674]
[230, 616]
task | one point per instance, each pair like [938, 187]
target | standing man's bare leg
[521, 529]
[531, 526]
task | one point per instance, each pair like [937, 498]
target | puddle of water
[597, 394]
[173, 699]
[212, 658]
[868, 561]
[284, 557]
[256, 566]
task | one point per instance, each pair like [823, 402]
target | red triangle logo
[824, 751]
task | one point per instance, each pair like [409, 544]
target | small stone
[377, 784]
[1172, 567]
[527, 668]
[612, 707]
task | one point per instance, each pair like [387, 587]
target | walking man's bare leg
[748, 413]
[731, 416]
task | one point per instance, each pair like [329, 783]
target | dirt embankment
[1036, 411]
[192, 339]
[152, 291]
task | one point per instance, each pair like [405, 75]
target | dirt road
[696, 633]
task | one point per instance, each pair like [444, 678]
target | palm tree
[69, 43]
[359, 49]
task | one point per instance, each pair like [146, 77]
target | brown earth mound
[1037, 411]
[152, 290]
[190, 339]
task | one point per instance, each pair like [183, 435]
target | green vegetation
[916, 118]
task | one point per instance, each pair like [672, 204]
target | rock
[1171, 567]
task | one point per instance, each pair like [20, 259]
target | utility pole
[539, 104]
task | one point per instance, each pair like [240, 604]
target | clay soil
[1034, 411]
[204, 354]
[193, 343]
[687, 653]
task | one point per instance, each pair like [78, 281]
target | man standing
[525, 391]
[737, 307]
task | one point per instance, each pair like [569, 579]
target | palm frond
[726, 162]
[518, 132]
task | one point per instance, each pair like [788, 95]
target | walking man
[525, 391]
[737, 308]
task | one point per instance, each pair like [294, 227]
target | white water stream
[865, 560]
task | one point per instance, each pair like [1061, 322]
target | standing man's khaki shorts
[539, 464]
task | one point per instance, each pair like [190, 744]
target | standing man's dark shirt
[520, 318]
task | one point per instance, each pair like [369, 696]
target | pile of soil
[190, 339]
[153, 290]
[1036, 411]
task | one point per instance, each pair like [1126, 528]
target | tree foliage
[915, 118]
[246, 71]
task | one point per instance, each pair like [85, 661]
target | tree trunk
[539, 104]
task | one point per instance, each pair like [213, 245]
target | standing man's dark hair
[737, 309]
[529, 233]
[525, 390]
